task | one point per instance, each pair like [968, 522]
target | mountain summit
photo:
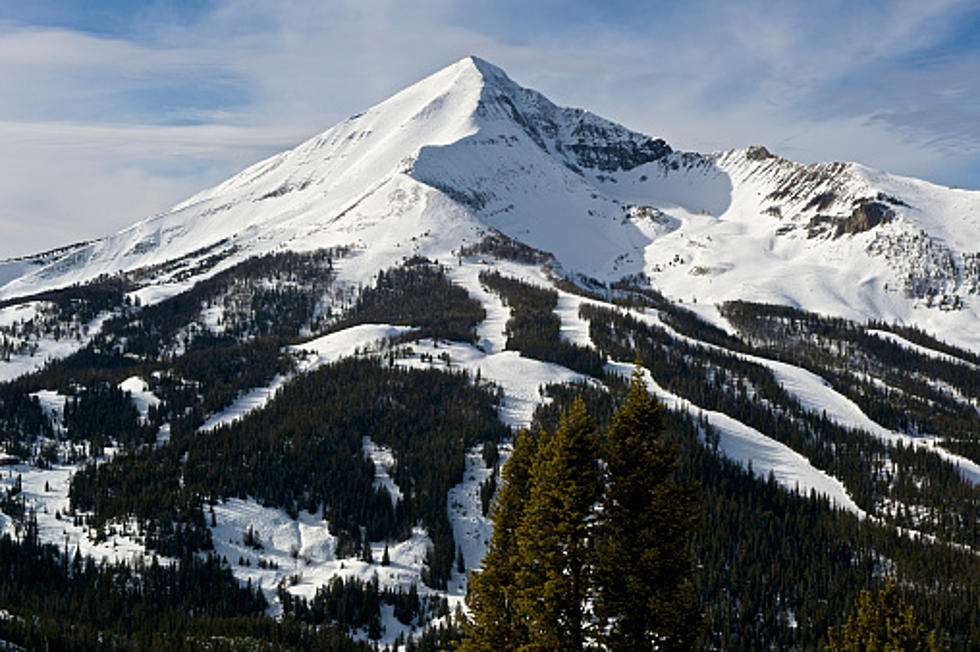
[467, 152]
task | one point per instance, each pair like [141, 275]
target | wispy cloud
[70, 181]
[102, 127]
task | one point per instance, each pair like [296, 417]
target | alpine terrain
[277, 414]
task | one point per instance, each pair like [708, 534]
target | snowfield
[141, 395]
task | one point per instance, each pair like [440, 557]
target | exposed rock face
[822, 201]
[758, 153]
[865, 217]
[582, 139]
[603, 151]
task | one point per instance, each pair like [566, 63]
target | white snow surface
[333, 347]
[467, 150]
[383, 460]
[141, 395]
[443, 163]
[48, 349]
[748, 446]
[21, 312]
[471, 529]
[248, 401]
[301, 554]
[53, 405]
[520, 378]
[816, 394]
[54, 527]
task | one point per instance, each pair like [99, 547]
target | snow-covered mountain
[191, 383]
[467, 151]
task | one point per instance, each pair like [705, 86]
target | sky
[115, 110]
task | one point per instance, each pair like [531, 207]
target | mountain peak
[489, 71]
[474, 64]
[470, 72]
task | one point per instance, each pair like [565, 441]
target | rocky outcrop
[758, 153]
[865, 217]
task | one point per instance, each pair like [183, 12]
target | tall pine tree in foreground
[644, 597]
[593, 556]
[882, 623]
[492, 592]
[554, 538]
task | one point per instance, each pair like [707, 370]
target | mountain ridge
[467, 151]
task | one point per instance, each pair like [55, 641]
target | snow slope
[467, 150]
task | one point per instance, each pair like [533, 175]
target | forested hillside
[397, 448]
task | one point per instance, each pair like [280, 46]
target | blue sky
[117, 109]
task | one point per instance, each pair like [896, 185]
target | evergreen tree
[491, 591]
[366, 554]
[554, 535]
[882, 623]
[644, 597]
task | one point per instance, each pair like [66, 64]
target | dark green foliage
[268, 296]
[497, 623]
[59, 601]
[776, 570]
[488, 488]
[882, 622]
[80, 302]
[418, 294]
[534, 329]
[101, 413]
[445, 636]
[21, 420]
[305, 451]
[767, 557]
[920, 337]
[352, 604]
[554, 577]
[490, 455]
[644, 597]
[263, 300]
[61, 313]
[190, 387]
[689, 323]
[208, 379]
[507, 248]
[583, 551]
